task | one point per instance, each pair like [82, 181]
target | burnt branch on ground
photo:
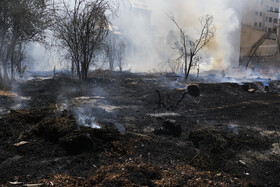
[172, 106]
[160, 102]
[193, 90]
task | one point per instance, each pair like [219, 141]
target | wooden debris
[20, 143]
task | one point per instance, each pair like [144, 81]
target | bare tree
[189, 48]
[17, 58]
[120, 54]
[81, 30]
[115, 50]
[110, 49]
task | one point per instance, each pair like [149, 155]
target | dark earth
[152, 131]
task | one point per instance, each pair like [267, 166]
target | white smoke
[85, 117]
[147, 33]
[148, 40]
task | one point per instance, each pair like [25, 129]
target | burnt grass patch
[217, 147]
[192, 143]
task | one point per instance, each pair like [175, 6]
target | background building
[260, 14]
[259, 32]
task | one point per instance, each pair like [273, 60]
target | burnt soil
[227, 136]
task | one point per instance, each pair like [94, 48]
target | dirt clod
[170, 128]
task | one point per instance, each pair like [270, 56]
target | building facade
[259, 39]
[260, 14]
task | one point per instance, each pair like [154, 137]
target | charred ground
[228, 136]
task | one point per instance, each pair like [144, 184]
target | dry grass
[8, 93]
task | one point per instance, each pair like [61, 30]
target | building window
[256, 12]
[260, 25]
[275, 21]
[260, 13]
[266, 18]
[269, 30]
[270, 19]
[276, 9]
[255, 24]
[271, 9]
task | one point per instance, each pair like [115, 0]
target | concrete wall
[249, 36]
[256, 13]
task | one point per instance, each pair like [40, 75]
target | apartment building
[258, 19]
[260, 14]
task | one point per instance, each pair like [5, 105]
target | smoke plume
[148, 38]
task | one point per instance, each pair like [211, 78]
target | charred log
[194, 91]
[160, 102]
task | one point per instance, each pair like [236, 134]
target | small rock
[245, 87]
[266, 88]
[251, 90]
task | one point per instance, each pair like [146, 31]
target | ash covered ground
[125, 129]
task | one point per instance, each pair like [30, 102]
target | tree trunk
[72, 68]
[12, 56]
[111, 62]
[82, 73]
[5, 68]
[190, 66]
[186, 65]
[12, 64]
[6, 76]
[185, 70]
[20, 69]
[185, 59]
[86, 73]
[78, 70]
[1, 78]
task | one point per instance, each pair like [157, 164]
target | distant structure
[134, 12]
[259, 40]
[134, 20]
[128, 27]
[260, 14]
[139, 4]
